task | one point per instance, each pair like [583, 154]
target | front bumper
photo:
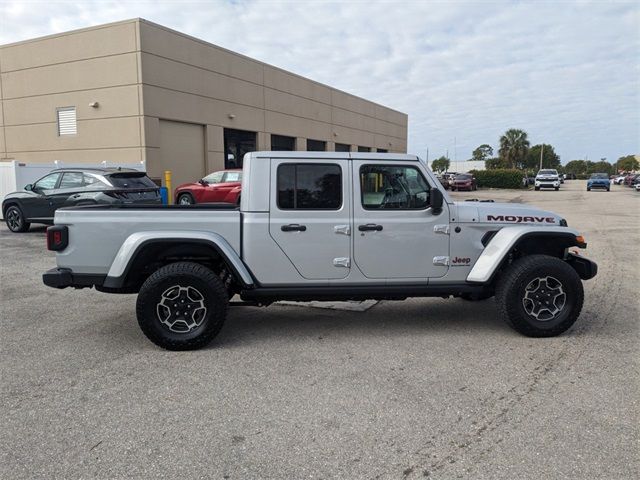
[598, 185]
[547, 183]
[64, 277]
[584, 267]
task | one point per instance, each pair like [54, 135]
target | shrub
[501, 178]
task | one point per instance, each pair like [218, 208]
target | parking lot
[425, 388]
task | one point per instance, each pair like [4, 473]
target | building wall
[73, 69]
[141, 73]
[188, 80]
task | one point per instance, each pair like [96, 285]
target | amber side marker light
[581, 241]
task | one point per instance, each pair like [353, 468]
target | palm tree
[514, 146]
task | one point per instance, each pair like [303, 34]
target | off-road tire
[511, 287]
[188, 196]
[13, 214]
[183, 274]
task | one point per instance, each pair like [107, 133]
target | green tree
[577, 167]
[494, 163]
[482, 153]
[514, 146]
[628, 163]
[549, 157]
[599, 167]
[440, 164]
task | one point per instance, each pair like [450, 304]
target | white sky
[568, 73]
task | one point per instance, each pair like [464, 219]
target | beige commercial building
[135, 91]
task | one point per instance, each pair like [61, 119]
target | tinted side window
[303, 186]
[48, 182]
[393, 187]
[71, 180]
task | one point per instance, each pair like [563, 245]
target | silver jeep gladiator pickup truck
[322, 226]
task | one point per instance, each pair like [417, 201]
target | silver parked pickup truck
[322, 226]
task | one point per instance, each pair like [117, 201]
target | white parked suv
[322, 226]
[547, 179]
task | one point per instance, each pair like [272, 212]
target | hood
[189, 185]
[506, 214]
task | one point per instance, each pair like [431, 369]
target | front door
[394, 235]
[310, 216]
[41, 204]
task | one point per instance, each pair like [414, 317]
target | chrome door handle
[293, 227]
[370, 227]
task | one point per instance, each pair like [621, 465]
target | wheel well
[6, 206]
[552, 244]
[152, 256]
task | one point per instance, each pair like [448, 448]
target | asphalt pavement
[424, 388]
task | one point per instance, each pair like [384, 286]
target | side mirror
[436, 201]
[28, 187]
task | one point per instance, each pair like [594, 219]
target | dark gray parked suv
[70, 187]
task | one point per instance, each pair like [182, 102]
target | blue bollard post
[164, 194]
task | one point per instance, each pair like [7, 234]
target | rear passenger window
[305, 186]
[71, 180]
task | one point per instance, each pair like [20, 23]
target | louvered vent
[67, 121]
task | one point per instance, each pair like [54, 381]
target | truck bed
[103, 229]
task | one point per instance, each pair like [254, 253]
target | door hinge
[342, 229]
[441, 260]
[443, 229]
[342, 262]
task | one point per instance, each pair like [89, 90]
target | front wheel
[536, 188]
[539, 296]
[186, 199]
[182, 306]
[588, 189]
[557, 188]
[15, 220]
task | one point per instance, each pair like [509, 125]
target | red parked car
[223, 186]
[464, 181]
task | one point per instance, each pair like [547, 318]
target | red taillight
[57, 238]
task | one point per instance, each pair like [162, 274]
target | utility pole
[541, 153]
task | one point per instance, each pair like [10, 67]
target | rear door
[394, 235]
[310, 215]
[69, 190]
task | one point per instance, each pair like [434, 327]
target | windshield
[600, 175]
[547, 172]
[463, 177]
[215, 177]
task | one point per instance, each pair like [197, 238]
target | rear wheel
[185, 199]
[539, 296]
[182, 306]
[15, 220]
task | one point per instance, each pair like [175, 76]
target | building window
[316, 145]
[393, 186]
[236, 144]
[382, 150]
[67, 121]
[343, 147]
[308, 186]
[280, 143]
[364, 149]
